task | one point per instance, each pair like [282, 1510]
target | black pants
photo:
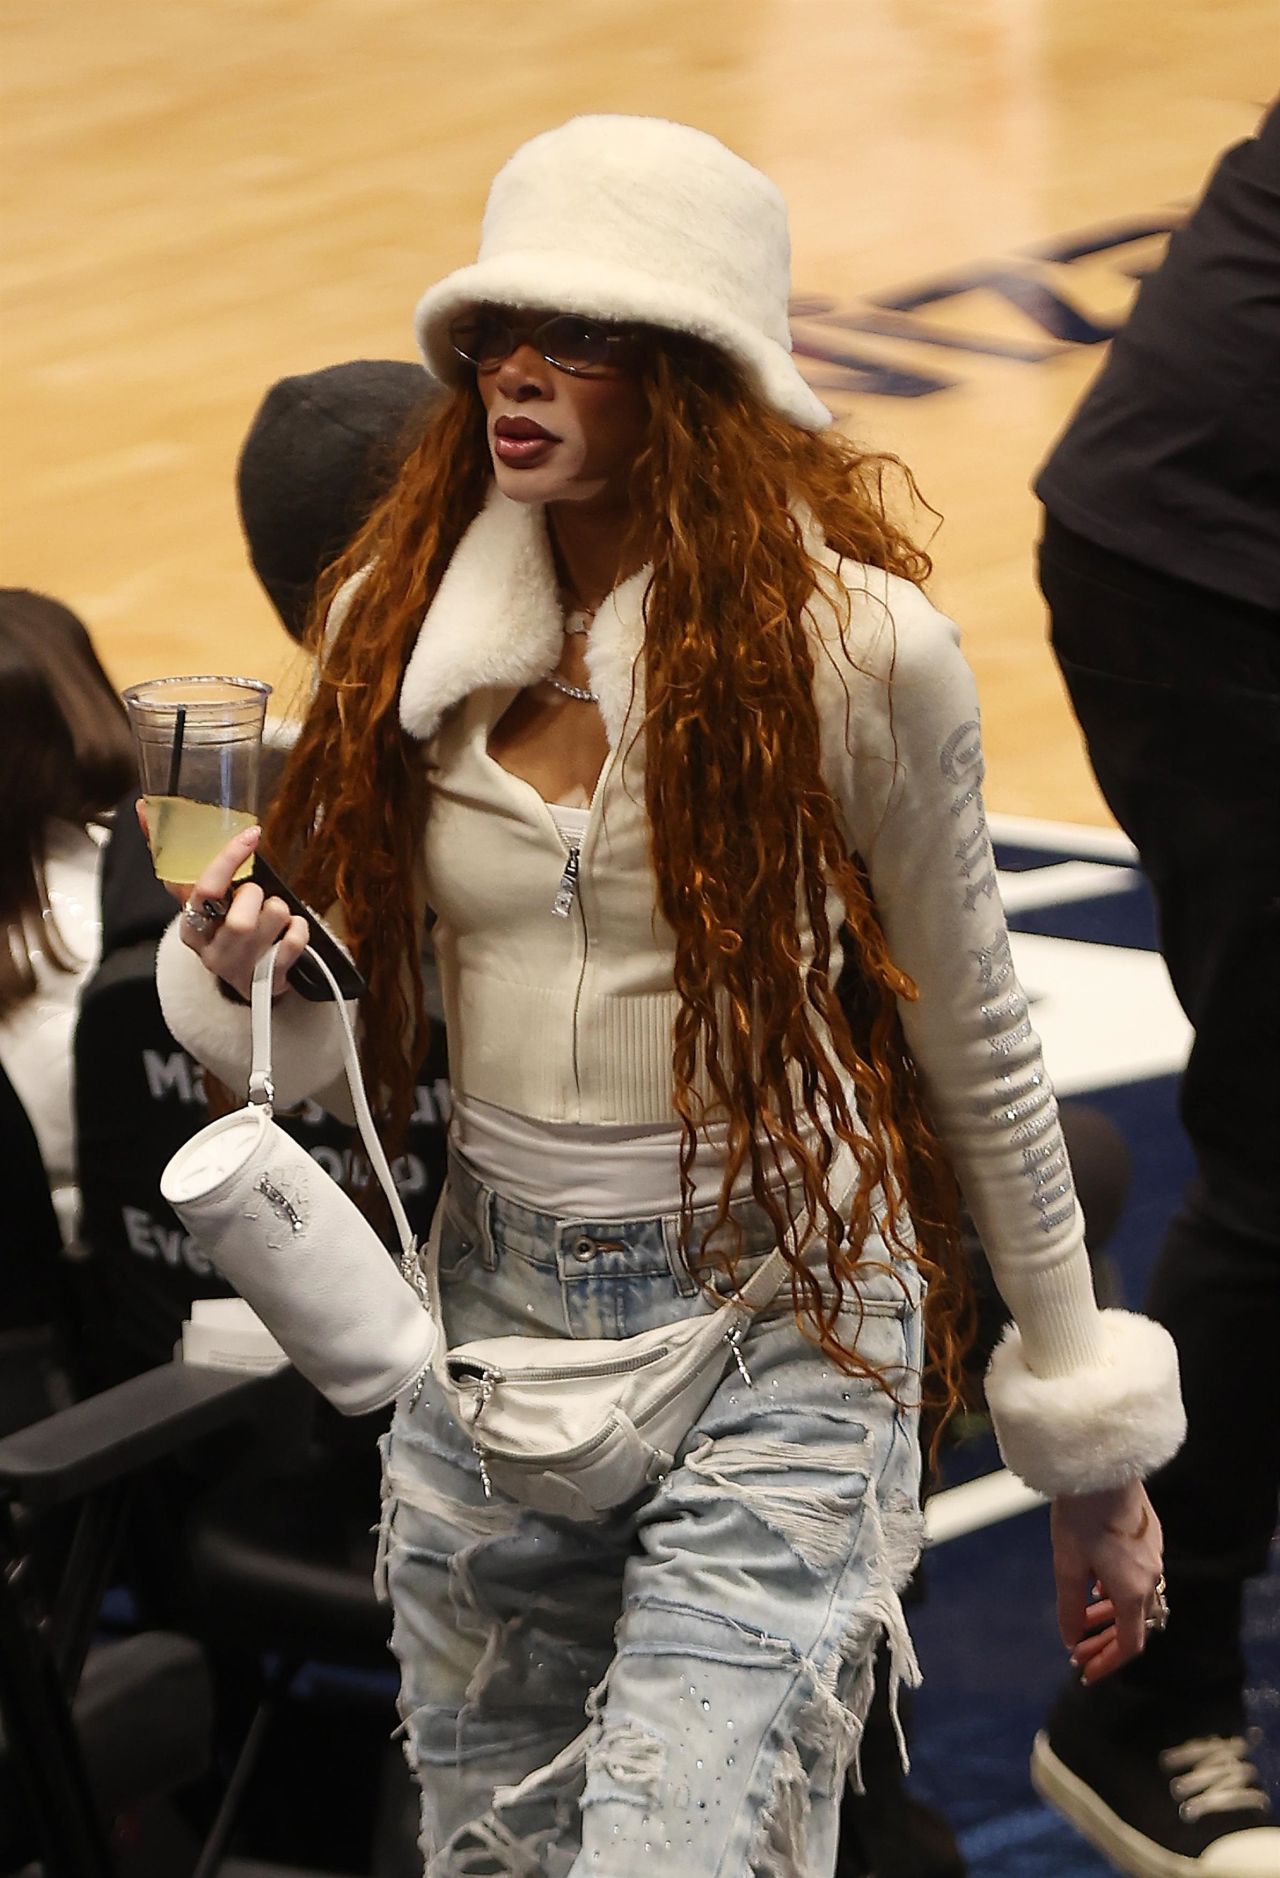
[1177, 690]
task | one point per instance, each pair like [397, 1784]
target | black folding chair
[93, 1728]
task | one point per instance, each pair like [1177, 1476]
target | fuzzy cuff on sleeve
[1116, 1421]
[306, 1038]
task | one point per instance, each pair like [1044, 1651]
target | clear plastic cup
[199, 744]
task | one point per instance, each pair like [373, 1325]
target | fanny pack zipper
[488, 1375]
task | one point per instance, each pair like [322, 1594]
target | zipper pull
[567, 891]
[734, 1340]
[488, 1383]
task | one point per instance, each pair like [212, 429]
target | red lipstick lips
[521, 442]
[519, 427]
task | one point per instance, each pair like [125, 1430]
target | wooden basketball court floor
[202, 195]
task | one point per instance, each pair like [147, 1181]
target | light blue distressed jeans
[682, 1686]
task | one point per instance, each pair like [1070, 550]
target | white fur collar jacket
[1081, 1398]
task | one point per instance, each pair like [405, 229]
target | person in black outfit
[1160, 563]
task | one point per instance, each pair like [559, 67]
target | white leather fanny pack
[295, 1247]
[575, 1426]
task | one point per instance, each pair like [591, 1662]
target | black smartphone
[303, 975]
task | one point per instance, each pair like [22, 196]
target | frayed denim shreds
[716, 1636]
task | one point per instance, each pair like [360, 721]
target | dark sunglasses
[572, 343]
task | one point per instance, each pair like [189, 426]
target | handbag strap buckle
[412, 1273]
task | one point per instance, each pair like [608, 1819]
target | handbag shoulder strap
[262, 1091]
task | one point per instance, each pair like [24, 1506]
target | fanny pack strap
[262, 1090]
[764, 1285]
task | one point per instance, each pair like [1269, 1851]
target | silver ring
[1159, 1617]
[199, 918]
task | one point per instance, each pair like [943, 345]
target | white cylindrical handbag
[295, 1247]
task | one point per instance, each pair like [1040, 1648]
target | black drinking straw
[175, 759]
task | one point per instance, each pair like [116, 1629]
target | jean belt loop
[683, 1279]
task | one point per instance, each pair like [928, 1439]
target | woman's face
[561, 436]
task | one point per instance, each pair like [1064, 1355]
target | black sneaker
[1157, 1798]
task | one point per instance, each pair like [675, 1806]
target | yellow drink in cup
[186, 835]
[199, 744]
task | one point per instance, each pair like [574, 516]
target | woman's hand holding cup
[231, 926]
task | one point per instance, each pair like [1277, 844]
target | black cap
[321, 451]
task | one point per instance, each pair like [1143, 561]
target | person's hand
[1106, 1560]
[230, 927]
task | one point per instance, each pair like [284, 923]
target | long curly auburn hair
[744, 832]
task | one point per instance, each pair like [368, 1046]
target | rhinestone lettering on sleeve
[1021, 1100]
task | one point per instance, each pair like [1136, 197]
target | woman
[631, 681]
[66, 758]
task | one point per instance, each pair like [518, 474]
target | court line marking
[1079, 840]
[1025, 890]
[976, 1504]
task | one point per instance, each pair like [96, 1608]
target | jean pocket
[883, 1287]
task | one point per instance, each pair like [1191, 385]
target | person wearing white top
[772, 743]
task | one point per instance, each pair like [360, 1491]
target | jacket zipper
[568, 895]
[567, 891]
[577, 1000]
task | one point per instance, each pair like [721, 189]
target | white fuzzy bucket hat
[636, 218]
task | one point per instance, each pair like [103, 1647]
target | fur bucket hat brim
[635, 218]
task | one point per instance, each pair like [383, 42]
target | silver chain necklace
[571, 691]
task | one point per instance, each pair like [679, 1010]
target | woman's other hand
[1106, 1560]
[229, 943]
